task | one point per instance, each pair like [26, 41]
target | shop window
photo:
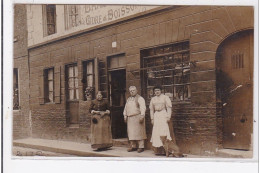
[49, 19]
[72, 16]
[88, 78]
[15, 90]
[168, 66]
[49, 85]
[73, 86]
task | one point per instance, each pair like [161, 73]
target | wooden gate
[235, 89]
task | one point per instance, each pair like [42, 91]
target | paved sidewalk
[85, 150]
[79, 149]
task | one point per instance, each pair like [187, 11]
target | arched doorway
[234, 62]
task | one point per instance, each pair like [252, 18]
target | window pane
[77, 93]
[90, 68]
[169, 92]
[50, 74]
[187, 92]
[90, 80]
[114, 62]
[178, 77]
[15, 90]
[76, 82]
[159, 61]
[71, 72]
[71, 91]
[178, 92]
[71, 83]
[51, 96]
[76, 71]
[50, 85]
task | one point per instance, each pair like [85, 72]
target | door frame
[109, 70]
[68, 117]
[251, 64]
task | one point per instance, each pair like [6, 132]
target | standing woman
[101, 137]
[160, 112]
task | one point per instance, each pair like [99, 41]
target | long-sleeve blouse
[158, 103]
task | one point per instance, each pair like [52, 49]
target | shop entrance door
[117, 100]
[72, 95]
[235, 85]
[116, 67]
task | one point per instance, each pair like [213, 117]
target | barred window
[49, 85]
[15, 90]
[168, 66]
[88, 77]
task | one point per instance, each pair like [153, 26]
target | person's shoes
[140, 150]
[131, 149]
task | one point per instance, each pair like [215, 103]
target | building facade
[21, 110]
[201, 55]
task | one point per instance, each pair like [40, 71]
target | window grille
[237, 61]
[168, 66]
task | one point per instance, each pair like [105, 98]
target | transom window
[168, 66]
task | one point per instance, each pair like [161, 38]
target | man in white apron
[134, 116]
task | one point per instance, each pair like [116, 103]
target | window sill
[16, 110]
[181, 102]
[49, 103]
[74, 126]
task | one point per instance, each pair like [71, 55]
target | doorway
[117, 85]
[72, 95]
[234, 64]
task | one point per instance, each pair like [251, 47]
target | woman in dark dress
[101, 137]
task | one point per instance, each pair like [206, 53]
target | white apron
[135, 130]
[160, 128]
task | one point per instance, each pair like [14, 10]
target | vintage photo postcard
[172, 81]
[132, 82]
[94, 83]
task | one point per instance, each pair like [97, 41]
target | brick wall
[197, 124]
[21, 121]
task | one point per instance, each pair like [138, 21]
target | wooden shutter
[96, 70]
[41, 87]
[57, 84]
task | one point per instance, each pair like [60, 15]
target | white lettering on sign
[92, 15]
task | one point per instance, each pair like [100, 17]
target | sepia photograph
[133, 81]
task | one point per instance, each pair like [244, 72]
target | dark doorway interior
[117, 100]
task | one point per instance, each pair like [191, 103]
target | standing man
[134, 116]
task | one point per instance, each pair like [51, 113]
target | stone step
[122, 142]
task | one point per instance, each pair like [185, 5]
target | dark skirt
[101, 136]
